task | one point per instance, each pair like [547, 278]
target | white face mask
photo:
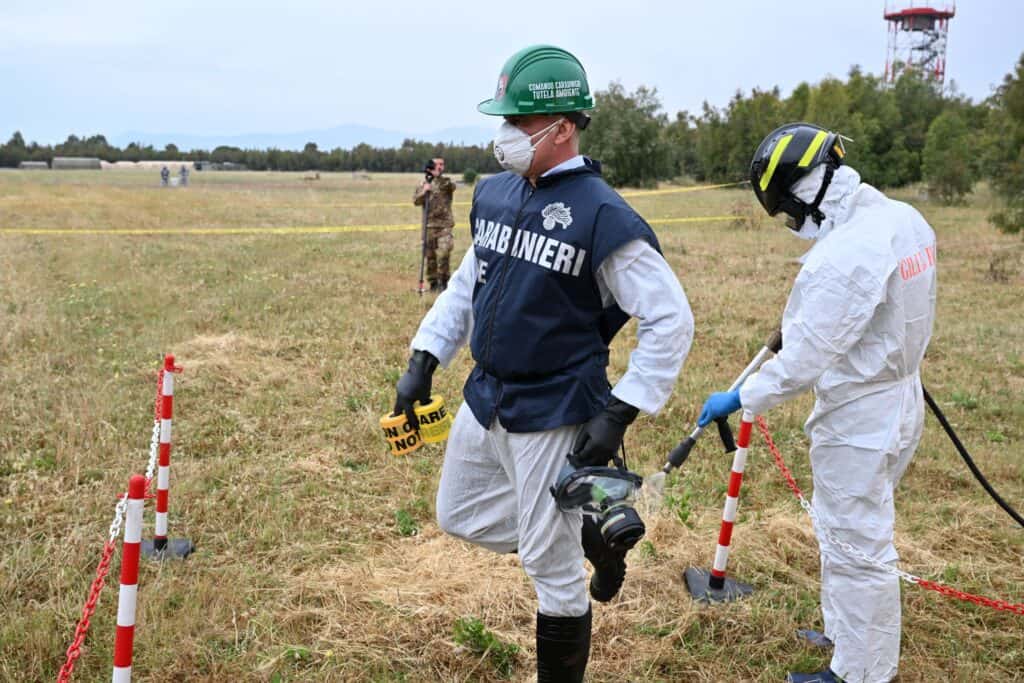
[808, 231]
[514, 149]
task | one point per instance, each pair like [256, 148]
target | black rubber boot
[563, 648]
[609, 565]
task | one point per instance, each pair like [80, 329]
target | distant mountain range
[346, 137]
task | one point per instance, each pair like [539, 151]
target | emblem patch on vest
[556, 213]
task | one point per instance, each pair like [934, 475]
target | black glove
[414, 385]
[601, 437]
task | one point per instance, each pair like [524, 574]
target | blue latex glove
[719, 404]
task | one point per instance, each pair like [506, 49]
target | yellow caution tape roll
[400, 435]
[435, 420]
[435, 424]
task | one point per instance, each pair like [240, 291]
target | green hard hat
[540, 79]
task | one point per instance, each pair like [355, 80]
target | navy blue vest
[540, 333]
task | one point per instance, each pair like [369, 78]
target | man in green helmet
[559, 263]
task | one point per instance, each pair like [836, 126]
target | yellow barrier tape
[675, 190]
[690, 219]
[306, 230]
[298, 230]
[635, 193]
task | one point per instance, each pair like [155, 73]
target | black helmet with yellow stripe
[788, 154]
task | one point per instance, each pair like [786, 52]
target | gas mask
[606, 494]
[514, 149]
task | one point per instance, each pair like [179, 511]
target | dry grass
[291, 346]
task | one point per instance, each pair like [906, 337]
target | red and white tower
[917, 38]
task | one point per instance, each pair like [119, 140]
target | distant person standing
[439, 222]
[165, 176]
[183, 173]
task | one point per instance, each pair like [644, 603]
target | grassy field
[318, 558]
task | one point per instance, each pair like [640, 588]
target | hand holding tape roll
[434, 422]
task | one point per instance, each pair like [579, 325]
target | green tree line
[902, 133]
[887, 125]
[899, 133]
[410, 156]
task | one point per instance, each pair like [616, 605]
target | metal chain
[159, 393]
[823, 530]
[949, 591]
[819, 526]
[831, 537]
[154, 439]
[119, 510]
[74, 651]
[154, 447]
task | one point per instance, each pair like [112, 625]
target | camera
[428, 170]
[607, 495]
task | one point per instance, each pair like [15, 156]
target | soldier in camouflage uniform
[439, 225]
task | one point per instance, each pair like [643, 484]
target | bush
[1010, 220]
[946, 163]
[469, 176]
[1006, 149]
[626, 136]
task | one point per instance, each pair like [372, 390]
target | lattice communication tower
[917, 39]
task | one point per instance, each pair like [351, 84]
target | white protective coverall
[494, 483]
[855, 328]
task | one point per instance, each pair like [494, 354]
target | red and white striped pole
[160, 548]
[163, 473]
[126, 598]
[714, 586]
[732, 500]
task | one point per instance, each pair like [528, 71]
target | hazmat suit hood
[836, 203]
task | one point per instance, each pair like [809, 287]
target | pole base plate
[175, 548]
[697, 582]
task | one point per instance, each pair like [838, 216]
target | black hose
[967, 459]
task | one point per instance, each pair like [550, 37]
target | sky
[219, 67]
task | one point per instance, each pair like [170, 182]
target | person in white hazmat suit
[855, 329]
[559, 262]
